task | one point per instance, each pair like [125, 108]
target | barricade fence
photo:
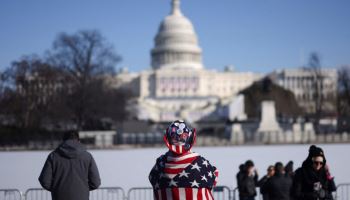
[108, 193]
[235, 194]
[10, 194]
[37, 194]
[222, 193]
[102, 193]
[343, 191]
[146, 193]
[143, 193]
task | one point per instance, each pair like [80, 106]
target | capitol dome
[176, 44]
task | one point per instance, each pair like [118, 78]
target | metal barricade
[259, 196]
[137, 193]
[37, 194]
[103, 193]
[235, 194]
[10, 194]
[343, 191]
[107, 193]
[146, 193]
[222, 193]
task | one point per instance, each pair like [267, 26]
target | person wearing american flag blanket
[181, 174]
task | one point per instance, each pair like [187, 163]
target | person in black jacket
[70, 172]
[247, 180]
[263, 180]
[313, 181]
[278, 186]
[289, 169]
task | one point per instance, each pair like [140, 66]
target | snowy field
[130, 168]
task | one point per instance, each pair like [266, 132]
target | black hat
[315, 151]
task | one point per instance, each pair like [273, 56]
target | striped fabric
[175, 165]
[178, 148]
[185, 177]
[183, 194]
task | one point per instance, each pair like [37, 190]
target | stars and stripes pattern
[176, 165]
[177, 148]
[185, 177]
[183, 194]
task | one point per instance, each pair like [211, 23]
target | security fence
[10, 194]
[37, 194]
[222, 193]
[143, 193]
[146, 193]
[343, 191]
[103, 193]
[108, 193]
[235, 194]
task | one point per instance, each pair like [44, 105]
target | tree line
[65, 89]
[341, 100]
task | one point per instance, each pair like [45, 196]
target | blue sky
[252, 35]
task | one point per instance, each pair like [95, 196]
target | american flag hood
[184, 177]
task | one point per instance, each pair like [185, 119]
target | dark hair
[72, 135]
[270, 167]
[249, 163]
[279, 167]
[289, 167]
[241, 167]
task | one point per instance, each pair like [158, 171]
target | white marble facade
[301, 82]
[178, 85]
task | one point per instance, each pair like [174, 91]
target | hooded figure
[181, 173]
[313, 181]
[289, 170]
[70, 172]
[278, 186]
[264, 179]
[247, 181]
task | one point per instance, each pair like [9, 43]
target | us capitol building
[178, 85]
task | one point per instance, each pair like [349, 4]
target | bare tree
[2, 90]
[28, 91]
[344, 84]
[87, 58]
[2, 84]
[343, 101]
[314, 66]
[69, 87]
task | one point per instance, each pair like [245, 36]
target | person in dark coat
[247, 180]
[289, 170]
[70, 172]
[313, 181]
[278, 186]
[240, 173]
[263, 180]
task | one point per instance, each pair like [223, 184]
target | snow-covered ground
[130, 168]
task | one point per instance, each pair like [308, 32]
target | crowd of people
[312, 181]
[70, 172]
